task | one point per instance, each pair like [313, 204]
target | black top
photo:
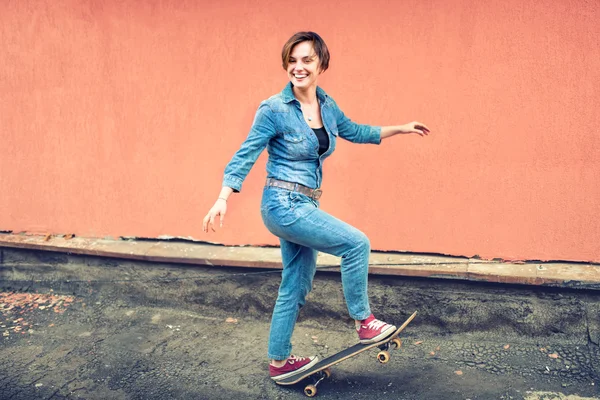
[323, 139]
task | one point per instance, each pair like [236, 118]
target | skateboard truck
[384, 355]
[311, 390]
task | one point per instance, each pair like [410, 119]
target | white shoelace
[293, 359]
[376, 324]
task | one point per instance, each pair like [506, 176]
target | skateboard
[320, 370]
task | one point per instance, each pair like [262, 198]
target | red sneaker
[372, 330]
[294, 365]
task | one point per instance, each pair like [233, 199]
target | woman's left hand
[414, 127]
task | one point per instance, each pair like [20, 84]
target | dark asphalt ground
[89, 328]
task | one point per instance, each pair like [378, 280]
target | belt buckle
[316, 194]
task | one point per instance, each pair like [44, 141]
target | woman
[300, 127]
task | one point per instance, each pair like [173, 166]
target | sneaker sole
[298, 371]
[381, 336]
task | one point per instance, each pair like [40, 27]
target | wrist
[222, 198]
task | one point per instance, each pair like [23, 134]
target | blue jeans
[303, 229]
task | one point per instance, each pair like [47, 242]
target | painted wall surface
[118, 117]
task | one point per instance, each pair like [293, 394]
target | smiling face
[303, 66]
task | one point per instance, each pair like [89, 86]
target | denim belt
[314, 194]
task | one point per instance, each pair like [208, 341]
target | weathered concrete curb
[567, 275]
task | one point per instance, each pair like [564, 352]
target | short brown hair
[318, 43]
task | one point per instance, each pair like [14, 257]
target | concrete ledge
[569, 275]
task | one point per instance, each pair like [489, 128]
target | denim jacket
[292, 145]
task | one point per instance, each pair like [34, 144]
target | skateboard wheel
[327, 372]
[383, 357]
[397, 342]
[310, 390]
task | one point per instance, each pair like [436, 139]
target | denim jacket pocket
[294, 137]
[296, 144]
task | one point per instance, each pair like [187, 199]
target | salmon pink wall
[118, 117]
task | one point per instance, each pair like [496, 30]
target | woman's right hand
[219, 209]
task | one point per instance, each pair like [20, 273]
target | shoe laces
[375, 324]
[292, 359]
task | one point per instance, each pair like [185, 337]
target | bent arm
[361, 133]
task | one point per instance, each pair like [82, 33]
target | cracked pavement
[114, 329]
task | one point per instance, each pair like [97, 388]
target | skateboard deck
[321, 370]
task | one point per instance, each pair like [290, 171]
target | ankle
[359, 322]
[278, 363]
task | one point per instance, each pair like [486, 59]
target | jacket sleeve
[263, 129]
[353, 132]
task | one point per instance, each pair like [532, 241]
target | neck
[307, 95]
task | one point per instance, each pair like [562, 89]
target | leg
[299, 266]
[295, 218]
[302, 227]
[321, 231]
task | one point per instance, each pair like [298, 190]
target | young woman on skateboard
[299, 127]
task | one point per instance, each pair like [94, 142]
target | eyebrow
[311, 56]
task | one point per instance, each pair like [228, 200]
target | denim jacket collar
[287, 94]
